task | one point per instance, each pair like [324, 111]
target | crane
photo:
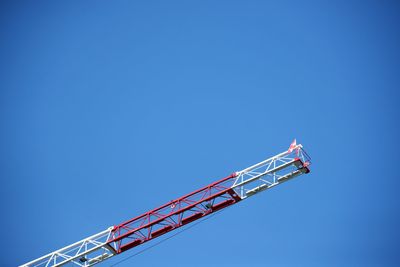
[216, 196]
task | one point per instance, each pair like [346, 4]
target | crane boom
[181, 211]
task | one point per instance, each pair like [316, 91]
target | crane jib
[181, 211]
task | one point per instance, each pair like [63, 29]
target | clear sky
[111, 108]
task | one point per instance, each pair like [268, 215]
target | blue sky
[109, 109]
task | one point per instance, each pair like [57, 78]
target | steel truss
[174, 214]
[179, 212]
[86, 252]
[271, 172]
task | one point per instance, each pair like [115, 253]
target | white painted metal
[86, 252]
[271, 172]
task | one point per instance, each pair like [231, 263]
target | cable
[162, 241]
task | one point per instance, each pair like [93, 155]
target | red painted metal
[192, 218]
[223, 204]
[130, 245]
[161, 231]
[174, 214]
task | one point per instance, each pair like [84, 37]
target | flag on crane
[292, 146]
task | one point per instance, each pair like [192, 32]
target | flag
[292, 146]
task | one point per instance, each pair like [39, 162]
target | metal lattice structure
[86, 252]
[271, 172]
[182, 211]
